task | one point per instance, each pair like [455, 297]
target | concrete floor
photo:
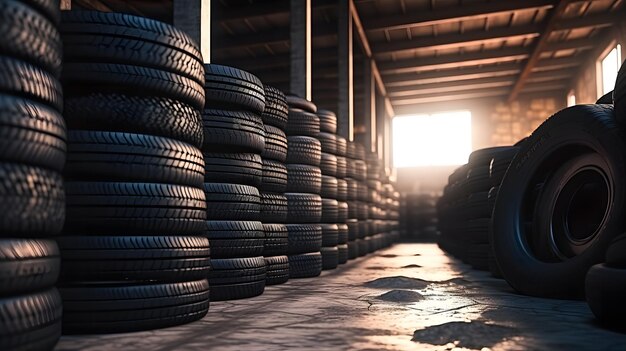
[408, 297]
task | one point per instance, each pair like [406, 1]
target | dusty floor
[408, 297]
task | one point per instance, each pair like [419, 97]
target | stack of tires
[374, 203]
[304, 181]
[234, 139]
[358, 210]
[391, 213]
[273, 186]
[133, 254]
[32, 155]
[334, 229]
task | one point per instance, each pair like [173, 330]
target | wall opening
[609, 66]
[441, 139]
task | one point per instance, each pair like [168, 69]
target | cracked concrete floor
[407, 297]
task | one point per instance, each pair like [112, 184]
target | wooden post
[65, 5]
[194, 17]
[345, 122]
[300, 41]
[369, 107]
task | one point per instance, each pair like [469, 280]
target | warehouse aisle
[375, 303]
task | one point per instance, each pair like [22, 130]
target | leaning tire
[605, 288]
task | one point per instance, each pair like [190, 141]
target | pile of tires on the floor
[32, 155]
[558, 212]
[134, 255]
[419, 217]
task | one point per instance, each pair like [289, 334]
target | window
[442, 139]
[609, 66]
[571, 99]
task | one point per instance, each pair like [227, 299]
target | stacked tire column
[234, 139]
[304, 181]
[330, 204]
[358, 210]
[32, 155]
[273, 187]
[374, 201]
[133, 257]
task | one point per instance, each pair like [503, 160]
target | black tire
[342, 190]
[342, 233]
[303, 179]
[304, 238]
[302, 123]
[134, 258]
[342, 146]
[342, 167]
[535, 269]
[134, 208]
[275, 144]
[233, 88]
[342, 253]
[231, 239]
[330, 234]
[116, 308]
[353, 229]
[29, 36]
[51, 9]
[330, 211]
[237, 278]
[31, 82]
[276, 240]
[605, 287]
[307, 265]
[127, 79]
[276, 110]
[329, 142]
[135, 114]
[616, 253]
[328, 121]
[363, 247]
[28, 265]
[303, 208]
[330, 257]
[32, 201]
[31, 321]
[232, 202]
[328, 164]
[31, 133]
[329, 187]
[300, 103]
[619, 95]
[98, 155]
[606, 99]
[228, 131]
[274, 177]
[273, 208]
[277, 270]
[353, 250]
[237, 168]
[304, 150]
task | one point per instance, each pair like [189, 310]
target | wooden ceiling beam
[558, 63]
[451, 75]
[453, 96]
[470, 84]
[268, 37]
[262, 9]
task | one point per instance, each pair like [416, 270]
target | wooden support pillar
[300, 42]
[194, 17]
[345, 122]
[65, 5]
[388, 158]
[380, 125]
[369, 105]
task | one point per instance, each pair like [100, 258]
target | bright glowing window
[442, 139]
[571, 99]
[610, 66]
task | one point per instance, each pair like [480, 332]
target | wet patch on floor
[472, 335]
[397, 282]
[402, 296]
[412, 266]
[376, 268]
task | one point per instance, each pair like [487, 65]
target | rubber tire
[232, 202]
[304, 238]
[274, 208]
[28, 265]
[342, 233]
[276, 110]
[134, 258]
[330, 234]
[277, 270]
[329, 187]
[229, 131]
[329, 142]
[302, 123]
[594, 127]
[237, 278]
[275, 176]
[307, 265]
[328, 121]
[619, 95]
[328, 164]
[303, 179]
[330, 211]
[342, 146]
[304, 150]
[605, 287]
[31, 133]
[606, 99]
[22, 79]
[342, 253]
[353, 250]
[303, 208]
[135, 114]
[32, 201]
[30, 321]
[300, 103]
[231, 239]
[117, 308]
[275, 144]
[237, 168]
[233, 88]
[342, 190]
[134, 208]
[276, 239]
[109, 156]
[616, 253]
[330, 257]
